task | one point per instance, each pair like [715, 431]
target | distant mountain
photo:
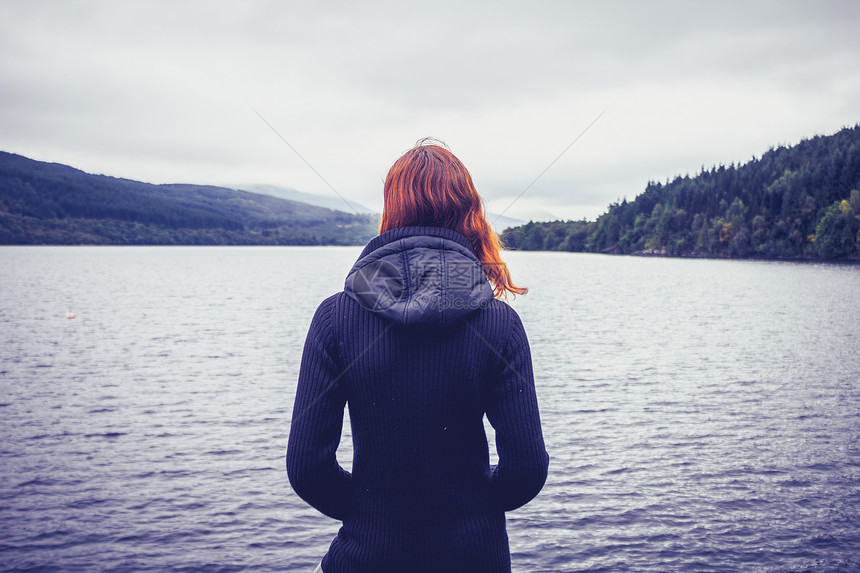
[50, 203]
[335, 203]
[794, 202]
[500, 222]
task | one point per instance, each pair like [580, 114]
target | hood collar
[419, 277]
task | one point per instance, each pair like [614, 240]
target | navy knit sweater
[419, 350]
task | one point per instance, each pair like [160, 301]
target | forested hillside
[793, 202]
[48, 203]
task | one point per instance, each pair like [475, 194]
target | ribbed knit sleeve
[513, 412]
[317, 421]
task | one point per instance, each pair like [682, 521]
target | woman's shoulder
[503, 318]
[502, 308]
[326, 312]
[329, 302]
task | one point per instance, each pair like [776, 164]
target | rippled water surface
[700, 415]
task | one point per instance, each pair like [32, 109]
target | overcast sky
[170, 91]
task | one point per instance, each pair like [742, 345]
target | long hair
[429, 186]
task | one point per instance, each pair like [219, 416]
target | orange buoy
[70, 314]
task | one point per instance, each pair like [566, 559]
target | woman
[420, 347]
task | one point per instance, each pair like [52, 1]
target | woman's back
[420, 349]
[422, 495]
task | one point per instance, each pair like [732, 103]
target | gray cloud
[166, 91]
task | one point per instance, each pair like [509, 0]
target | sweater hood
[419, 277]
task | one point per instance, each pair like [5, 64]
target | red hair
[429, 186]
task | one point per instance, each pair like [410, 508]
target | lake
[700, 415]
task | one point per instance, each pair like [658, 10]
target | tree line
[49, 203]
[801, 201]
